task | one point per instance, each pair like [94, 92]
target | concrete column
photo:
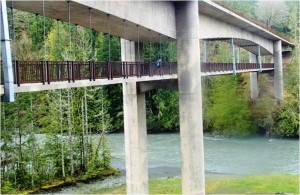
[135, 139]
[254, 89]
[139, 52]
[278, 78]
[190, 97]
[127, 50]
[135, 131]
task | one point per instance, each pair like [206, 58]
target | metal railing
[223, 67]
[71, 71]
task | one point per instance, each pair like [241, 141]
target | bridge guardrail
[55, 71]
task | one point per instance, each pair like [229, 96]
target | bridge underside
[117, 14]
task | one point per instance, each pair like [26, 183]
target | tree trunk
[82, 137]
[70, 133]
[32, 143]
[61, 134]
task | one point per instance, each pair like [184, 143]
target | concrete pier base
[278, 78]
[135, 131]
[254, 88]
[190, 97]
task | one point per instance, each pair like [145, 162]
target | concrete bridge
[138, 22]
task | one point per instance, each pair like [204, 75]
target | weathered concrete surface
[229, 19]
[278, 78]
[158, 16]
[139, 52]
[135, 131]
[254, 89]
[135, 128]
[227, 31]
[190, 97]
[127, 50]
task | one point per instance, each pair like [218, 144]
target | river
[228, 156]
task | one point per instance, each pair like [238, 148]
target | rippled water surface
[257, 155]
[231, 156]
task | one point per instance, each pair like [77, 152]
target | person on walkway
[158, 66]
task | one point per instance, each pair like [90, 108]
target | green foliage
[167, 102]
[287, 117]
[162, 110]
[229, 112]
[67, 117]
[246, 8]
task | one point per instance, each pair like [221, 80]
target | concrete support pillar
[254, 89]
[127, 50]
[278, 78]
[135, 130]
[139, 52]
[190, 97]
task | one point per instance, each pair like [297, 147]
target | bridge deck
[47, 75]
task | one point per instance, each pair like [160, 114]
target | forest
[60, 135]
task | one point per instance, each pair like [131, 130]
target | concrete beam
[35, 87]
[167, 84]
[227, 31]
[278, 78]
[158, 16]
[254, 88]
[190, 97]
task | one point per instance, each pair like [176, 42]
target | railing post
[72, 71]
[47, 71]
[126, 70]
[17, 73]
[123, 69]
[108, 70]
[90, 71]
[140, 69]
[42, 69]
[150, 69]
[94, 70]
[68, 71]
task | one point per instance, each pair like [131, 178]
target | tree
[272, 14]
